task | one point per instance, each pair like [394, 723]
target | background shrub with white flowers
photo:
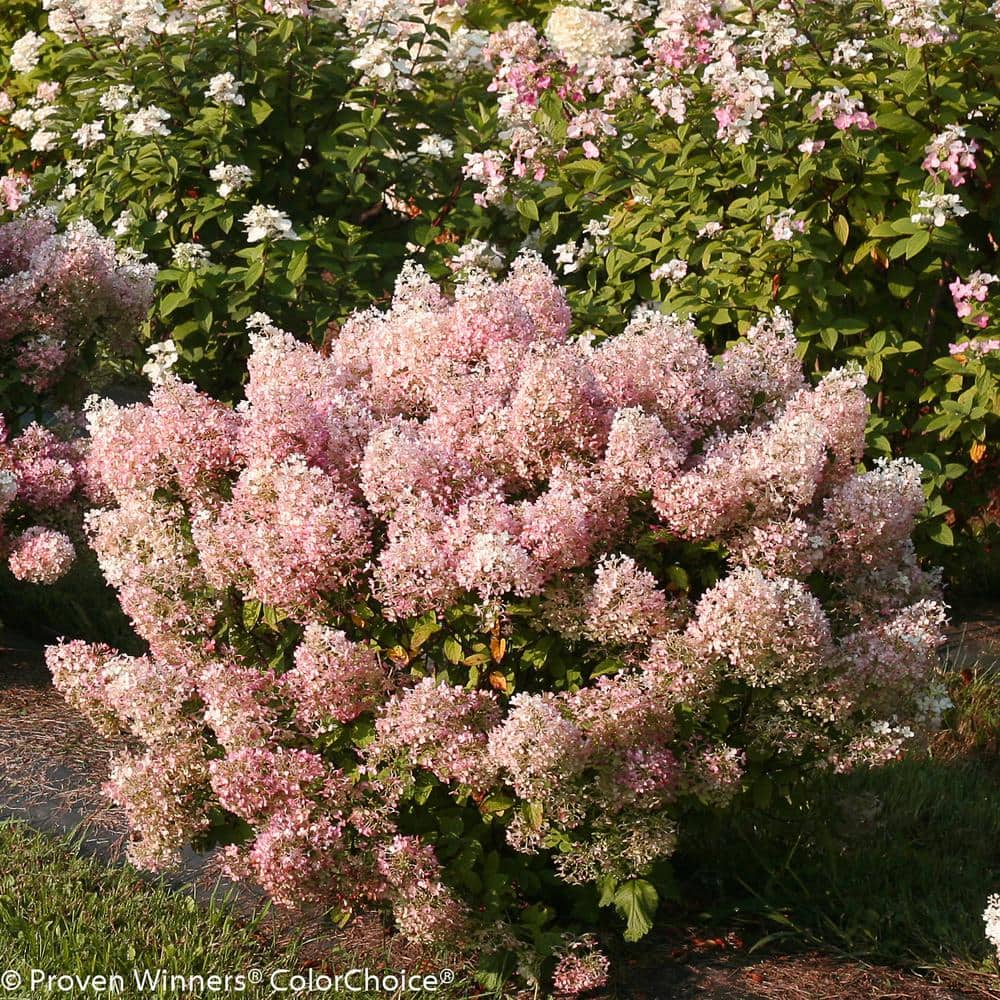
[270, 157]
[837, 159]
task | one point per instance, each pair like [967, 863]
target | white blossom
[937, 209]
[148, 121]
[24, 52]
[162, 358]
[90, 134]
[231, 177]
[265, 222]
[190, 255]
[225, 89]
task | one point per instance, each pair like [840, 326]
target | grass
[892, 866]
[65, 914]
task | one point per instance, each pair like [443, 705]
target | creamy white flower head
[673, 270]
[148, 121]
[44, 141]
[24, 119]
[8, 489]
[231, 177]
[24, 52]
[991, 915]
[118, 97]
[225, 89]
[124, 222]
[162, 358]
[480, 255]
[581, 36]
[90, 134]
[436, 146]
[192, 256]
[265, 222]
[259, 321]
[937, 209]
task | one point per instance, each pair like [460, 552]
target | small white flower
[124, 223]
[148, 121]
[991, 917]
[24, 52]
[265, 222]
[258, 321]
[117, 97]
[231, 177]
[784, 225]
[937, 209]
[480, 255]
[436, 146]
[225, 89]
[162, 358]
[90, 134]
[672, 270]
[8, 489]
[23, 119]
[190, 255]
[43, 141]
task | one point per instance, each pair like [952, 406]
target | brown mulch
[809, 976]
[974, 634]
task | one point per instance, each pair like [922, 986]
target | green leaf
[528, 209]
[916, 243]
[260, 110]
[942, 534]
[637, 901]
[298, 264]
[425, 627]
[252, 611]
[841, 229]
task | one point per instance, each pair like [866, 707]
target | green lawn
[70, 915]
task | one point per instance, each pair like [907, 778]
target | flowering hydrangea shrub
[836, 159]
[277, 157]
[460, 618]
[42, 490]
[67, 301]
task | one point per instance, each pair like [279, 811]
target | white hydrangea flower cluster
[190, 256]
[224, 88]
[265, 222]
[991, 917]
[231, 177]
[937, 209]
[580, 36]
[25, 51]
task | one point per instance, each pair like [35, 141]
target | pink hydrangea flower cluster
[61, 291]
[965, 295]
[42, 479]
[433, 560]
[951, 154]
